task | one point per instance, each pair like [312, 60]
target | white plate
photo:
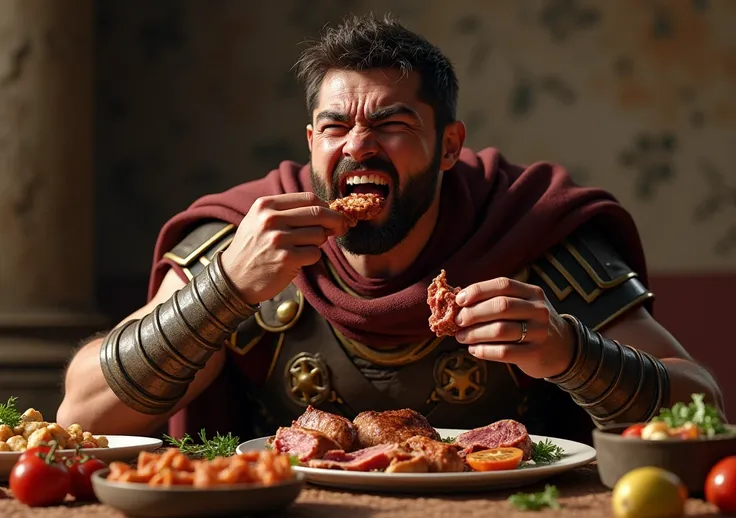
[121, 448]
[576, 455]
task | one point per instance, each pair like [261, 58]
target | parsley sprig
[545, 452]
[448, 440]
[697, 412]
[218, 446]
[9, 415]
[536, 501]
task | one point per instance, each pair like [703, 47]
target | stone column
[46, 194]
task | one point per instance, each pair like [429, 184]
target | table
[581, 495]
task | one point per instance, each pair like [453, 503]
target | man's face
[370, 134]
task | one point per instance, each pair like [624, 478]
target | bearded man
[263, 300]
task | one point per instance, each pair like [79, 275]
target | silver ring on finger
[523, 332]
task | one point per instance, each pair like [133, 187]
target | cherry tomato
[40, 479]
[634, 430]
[720, 485]
[80, 473]
[495, 459]
[42, 449]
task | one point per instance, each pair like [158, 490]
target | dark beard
[407, 205]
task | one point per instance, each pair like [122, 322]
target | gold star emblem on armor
[460, 377]
[307, 380]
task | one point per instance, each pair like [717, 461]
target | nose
[360, 144]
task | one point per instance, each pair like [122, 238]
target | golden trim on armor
[204, 260]
[183, 261]
[307, 380]
[561, 294]
[188, 273]
[460, 377]
[232, 343]
[276, 353]
[587, 297]
[287, 313]
[637, 301]
[593, 274]
[396, 357]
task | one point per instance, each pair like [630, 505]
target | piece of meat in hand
[441, 300]
[302, 443]
[442, 457]
[336, 427]
[506, 433]
[359, 206]
[391, 426]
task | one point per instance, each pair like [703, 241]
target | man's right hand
[279, 235]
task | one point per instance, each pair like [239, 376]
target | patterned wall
[636, 96]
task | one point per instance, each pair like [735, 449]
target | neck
[402, 256]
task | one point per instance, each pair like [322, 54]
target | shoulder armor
[585, 276]
[200, 245]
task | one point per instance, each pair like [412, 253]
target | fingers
[315, 216]
[502, 308]
[305, 236]
[289, 201]
[505, 331]
[501, 286]
[305, 255]
[506, 353]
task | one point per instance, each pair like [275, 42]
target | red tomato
[720, 485]
[39, 480]
[634, 430]
[43, 449]
[80, 472]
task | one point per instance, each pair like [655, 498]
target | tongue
[369, 188]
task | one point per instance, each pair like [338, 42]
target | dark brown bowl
[691, 460]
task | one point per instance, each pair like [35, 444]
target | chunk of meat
[441, 300]
[336, 427]
[416, 464]
[6, 432]
[391, 426]
[442, 457]
[31, 415]
[302, 443]
[375, 458]
[501, 434]
[359, 206]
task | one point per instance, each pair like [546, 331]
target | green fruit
[649, 492]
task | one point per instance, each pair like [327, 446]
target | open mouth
[365, 184]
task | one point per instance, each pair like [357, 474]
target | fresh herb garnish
[9, 415]
[697, 412]
[544, 452]
[294, 460]
[218, 446]
[449, 440]
[536, 501]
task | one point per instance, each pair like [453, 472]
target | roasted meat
[441, 300]
[501, 434]
[302, 443]
[418, 464]
[335, 427]
[375, 458]
[442, 457]
[359, 206]
[391, 426]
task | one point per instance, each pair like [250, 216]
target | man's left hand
[509, 321]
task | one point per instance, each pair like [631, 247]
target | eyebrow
[378, 115]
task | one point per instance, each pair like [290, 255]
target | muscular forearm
[89, 401]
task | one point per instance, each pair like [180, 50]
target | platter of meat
[399, 451]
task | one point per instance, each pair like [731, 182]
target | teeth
[373, 178]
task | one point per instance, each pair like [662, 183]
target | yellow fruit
[649, 493]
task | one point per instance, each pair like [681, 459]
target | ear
[453, 140]
[310, 133]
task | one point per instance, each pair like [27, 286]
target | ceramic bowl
[144, 501]
[691, 460]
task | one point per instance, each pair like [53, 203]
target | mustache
[347, 165]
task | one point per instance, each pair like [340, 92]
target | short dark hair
[365, 43]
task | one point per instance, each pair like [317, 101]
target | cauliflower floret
[6, 432]
[17, 443]
[42, 435]
[102, 442]
[75, 432]
[4, 446]
[60, 435]
[31, 415]
[29, 428]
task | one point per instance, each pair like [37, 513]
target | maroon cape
[495, 218]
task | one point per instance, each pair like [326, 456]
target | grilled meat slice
[501, 434]
[391, 426]
[443, 457]
[375, 458]
[416, 464]
[302, 443]
[335, 427]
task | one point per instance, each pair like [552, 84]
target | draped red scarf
[495, 218]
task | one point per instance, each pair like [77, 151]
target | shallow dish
[144, 501]
[121, 448]
[576, 455]
[691, 460]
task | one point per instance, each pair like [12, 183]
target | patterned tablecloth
[581, 495]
